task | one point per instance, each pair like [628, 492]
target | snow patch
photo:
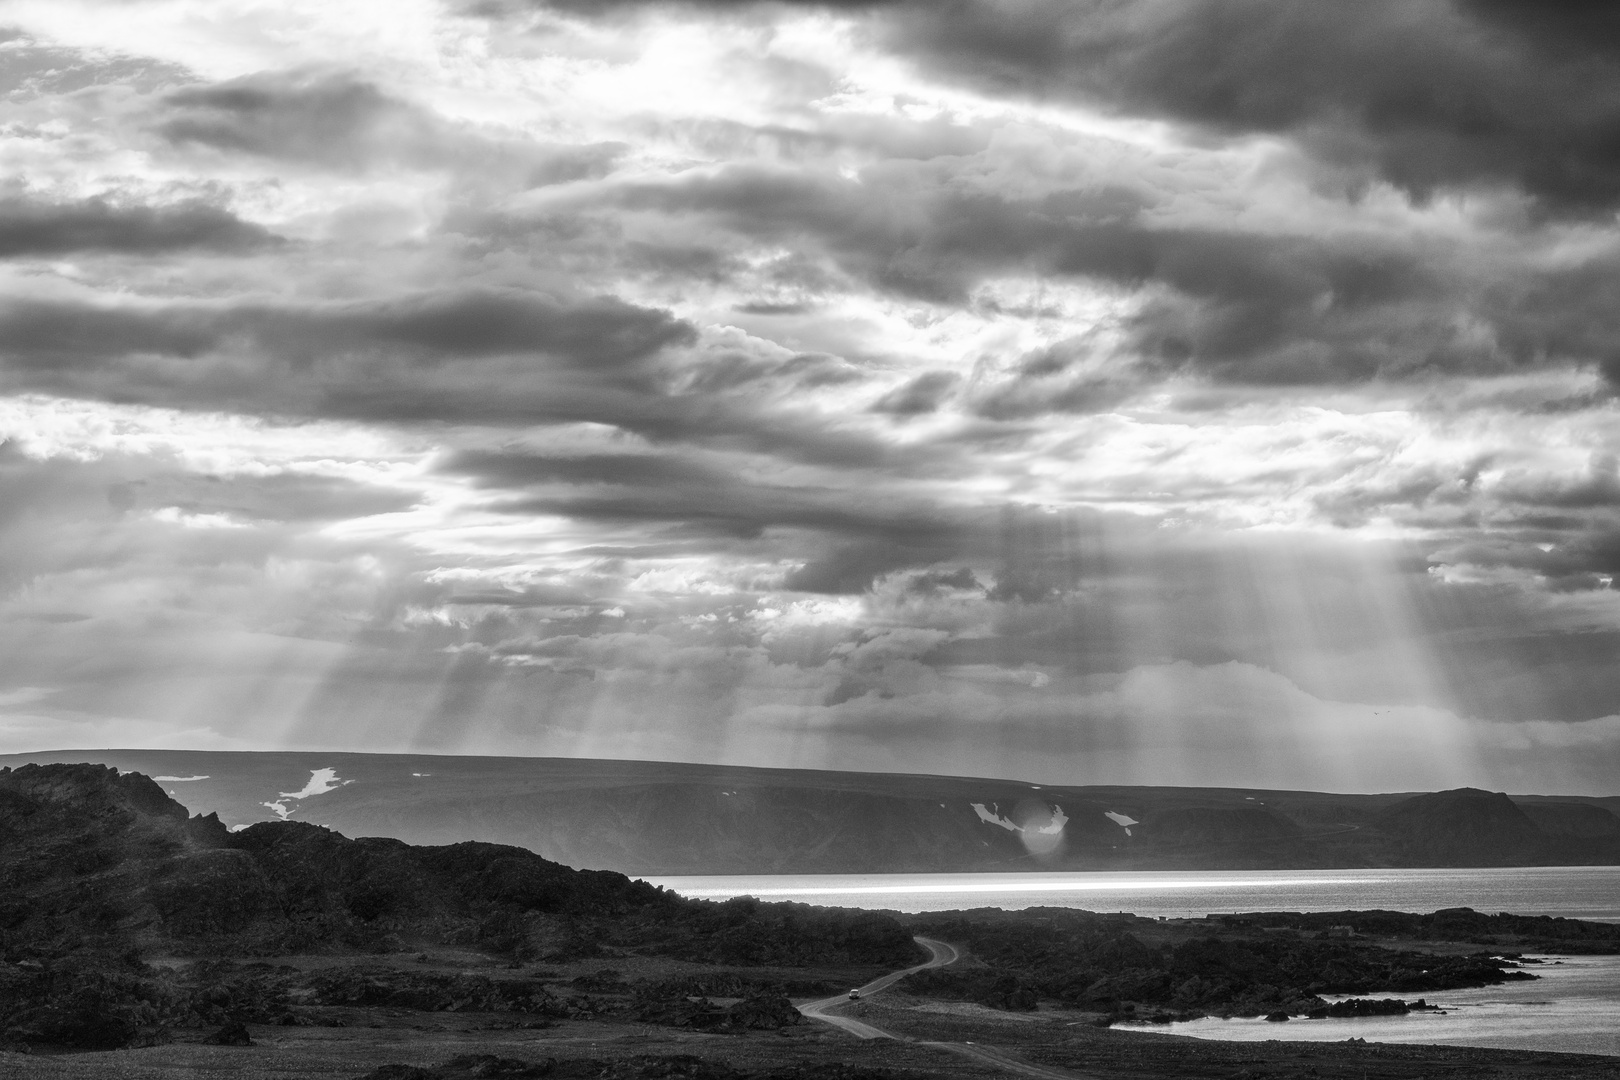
[1041, 827]
[1124, 821]
[320, 782]
[990, 817]
[1055, 826]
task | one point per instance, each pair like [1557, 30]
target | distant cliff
[641, 817]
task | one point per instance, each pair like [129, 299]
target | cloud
[328, 118]
[1246, 305]
[369, 358]
[517, 469]
[1428, 96]
[921, 395]
[37, 69]
[336, 119]
[1172, 389]
[850, 543]
[34, 227]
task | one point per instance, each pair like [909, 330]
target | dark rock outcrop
[765, 1012]
[1228, 965]
[233, 1033]
[1353, 1007]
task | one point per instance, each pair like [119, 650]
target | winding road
[940, 954]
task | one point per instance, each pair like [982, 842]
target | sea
[1574, 892]
[1574, 1006]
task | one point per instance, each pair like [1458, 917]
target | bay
[1576, 892]
[1573, 1008]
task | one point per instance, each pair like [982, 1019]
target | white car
[854, 995]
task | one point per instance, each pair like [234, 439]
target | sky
[1165, 391]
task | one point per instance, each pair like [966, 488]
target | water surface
[1582, 892]
[1573, 1008]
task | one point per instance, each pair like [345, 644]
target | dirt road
[940, 955]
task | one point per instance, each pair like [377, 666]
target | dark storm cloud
[1568, 554]
[1563, 312]
[1055, 380]
[36, 227]
[852, 568]
[330, 118]
[1599, 488]
[503, 396]
[1562, 528]
[843, 541]
[733, 370]
[497, 469]
[1239, 305]
[1242, 306]
[747, 510]
[935, 583]
[919, 396]
[474, 356]
[601, 333]
[846, 542]
[337, 120]
[1427, 94]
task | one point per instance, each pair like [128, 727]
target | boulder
[234, 1033]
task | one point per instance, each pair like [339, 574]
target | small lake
[1573, 1008]
[1576, 892]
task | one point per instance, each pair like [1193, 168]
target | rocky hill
[652, 818]
[100, 869]
[94, 859]
[1465, 827]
